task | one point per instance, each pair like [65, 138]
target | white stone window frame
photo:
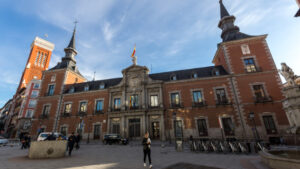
[32, 113]
[34, 96]
[173, 124]
[220, 117]
[36, 85]
[207, 125]
[81, 101]
[273, 114]
[263, 86]
[170, 97]
[95, 104]
[195, 90]
[64, 108]
[54, 84]
[245, 49]
[44, 105]
[154, 94]
[53, 78]
[250, 57]
[113, 101]
[226, 92]
[67, 129]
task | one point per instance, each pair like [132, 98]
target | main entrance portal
[134, 128]
[155, 130]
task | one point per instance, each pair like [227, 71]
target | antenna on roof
[94, 75]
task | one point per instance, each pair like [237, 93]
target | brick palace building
[238, 97]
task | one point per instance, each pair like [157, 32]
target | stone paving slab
[125, 157]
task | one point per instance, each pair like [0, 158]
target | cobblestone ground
[98, 156]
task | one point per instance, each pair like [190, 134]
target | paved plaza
[98, 156]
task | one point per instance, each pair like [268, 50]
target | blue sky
[169, 34]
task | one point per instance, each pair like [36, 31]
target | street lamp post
[256, 135]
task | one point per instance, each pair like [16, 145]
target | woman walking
[147, 150]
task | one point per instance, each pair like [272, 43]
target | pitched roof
[187, 73]
[72, 41]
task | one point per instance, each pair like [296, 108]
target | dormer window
[86, 88]
[215, 72]
[173, 77]
[102, 86]
[72, 89]
[194, 75]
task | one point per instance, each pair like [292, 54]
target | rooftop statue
[288, 74]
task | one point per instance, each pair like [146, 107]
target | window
[102, 86]
[197, 97]
[86, 88]
[134, 101]
[50, 90]
[64, 130]
[29, 113]
[46, 110]
[228, 126]
[68, 107]
[72, 89]
[34, 94]
[83, 106]
[32, 103]
[36, 85]
[245, 49]
[269, 124]
[259, 93]
[40, 59]
[250, 65]
[154, 101]
[175, 101]
[116, 128]
[221, 96]
[216, 72]
[44, 59]
[173, 77]
[178, 129]
[117, 103]
[202, 128]
[37, 58]
[99, 105]
[53, 78]
[194, 75]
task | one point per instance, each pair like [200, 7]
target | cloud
[108, 32]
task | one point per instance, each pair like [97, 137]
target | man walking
[71, 142]
[146, 147]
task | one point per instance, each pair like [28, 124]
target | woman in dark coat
[146, 147]
[71, 142]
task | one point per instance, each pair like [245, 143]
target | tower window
[44, 59]
[40, 59]
[250, 65]
[37, 58]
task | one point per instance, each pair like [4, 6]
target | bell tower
[37, 62]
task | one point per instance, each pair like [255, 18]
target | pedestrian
[146, 148]
[71, 142]
[51, 137]
[77, 141]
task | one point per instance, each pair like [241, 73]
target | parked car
[3, 141]
[114, 138]
[43, 136]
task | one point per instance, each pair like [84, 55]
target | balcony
[199, 104]
[253, 70]
[153, 107]
[133, 107]
[98, 112]
[65, 114]
[263, 99]
[81, 113]
[222, 102]
[116, 109]
[44, 116]
[176, 105]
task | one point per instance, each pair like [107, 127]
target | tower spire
[72, 41]
[223, 10]
[229, 30]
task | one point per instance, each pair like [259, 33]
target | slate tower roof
[229, 30]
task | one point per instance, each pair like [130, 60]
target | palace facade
[238, 97]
